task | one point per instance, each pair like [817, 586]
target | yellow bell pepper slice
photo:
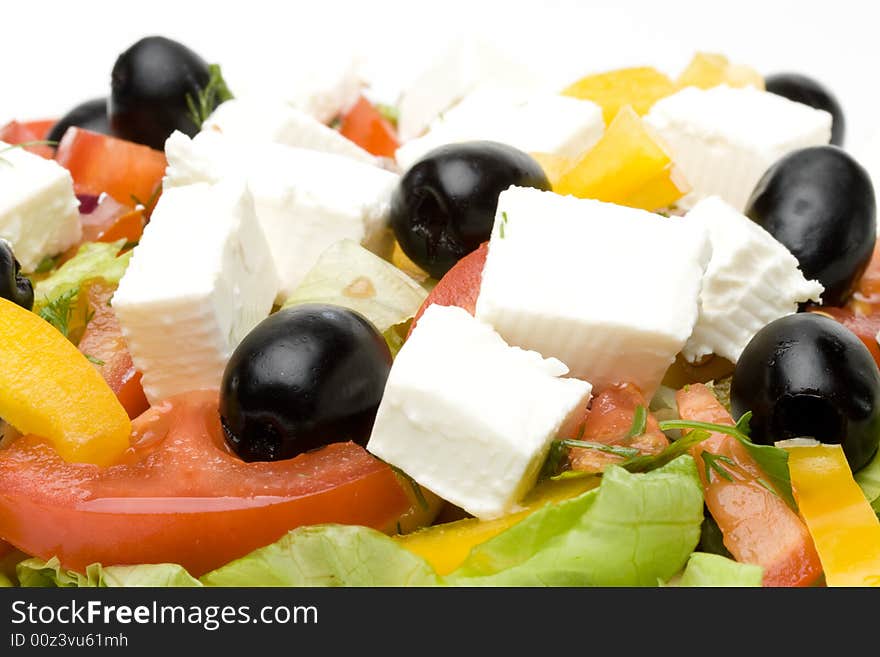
[638, 87]
[707, 70]
[844, 528]
[628, 166]
[49, 389]
[446, 546]
[555, 166]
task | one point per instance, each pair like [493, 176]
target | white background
[54, 54]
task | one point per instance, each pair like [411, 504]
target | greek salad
[622, 333]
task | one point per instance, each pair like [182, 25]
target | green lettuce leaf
[349, 275]
[869, 479]
[631, 531]
[714, 570]
[93, 260]
[5, 582]
[328, 555]
[39, 573]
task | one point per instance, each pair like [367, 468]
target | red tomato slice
[100, 164]
[609, 421]
[181, 497]
[460, 286]
[862, 312]
[111, 221]
[21, 133]
[758, 526]
[103, 342]
[366, 127]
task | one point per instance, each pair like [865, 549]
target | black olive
[807, 375]
[91, 115]
[444, 206]
[806, 90]
[150, 85]
[13, 285]
[304, 377]
[819, 202]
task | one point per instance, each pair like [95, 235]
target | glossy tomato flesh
[758, 526]
[17, 133]
[99, 164]
[111, 221]
[181, 497]
[366, 127]
[460, 286]
[103, 342]
[609, 421]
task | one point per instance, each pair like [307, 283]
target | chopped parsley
[502, 225]
[640, 422]
[214, 93]
[719, 464]
[59, 311]
[93, 360]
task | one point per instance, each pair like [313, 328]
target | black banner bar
[435, 621]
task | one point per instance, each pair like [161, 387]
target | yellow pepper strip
[49, 389]
[628, 166]
[707, 70]
[446, 546]
[845, 529]
[639, 87]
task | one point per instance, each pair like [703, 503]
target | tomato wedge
[17, 133]
[861, 315]
[460, 286]
[758, 526]
[609, 421]
[366, 127]
[181, 497]
[99, 164]
[111, 221]
[103, 342]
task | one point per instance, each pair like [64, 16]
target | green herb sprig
[208, 98]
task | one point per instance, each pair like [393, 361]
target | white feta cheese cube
[724, 139]
[199, 280]
[465, 66]
[305, 200]
[39, 213]
[543, 123]
[610, 291]
[469, 417]
[268, 120]
[751, 280]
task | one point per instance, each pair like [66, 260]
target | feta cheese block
[613, 292]
[469, 417]
[305, 200]
[751, 280]
[724, 139]
[199, 280]
[39, 213]
[465, 66]
[262, 119]
[543, 123]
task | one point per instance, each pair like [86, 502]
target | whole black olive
[91, 115]
[806, 90]
[155, 85]
[807, 375]
[13, 285]
[819, 202]
[444, 206]
[304, 377]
